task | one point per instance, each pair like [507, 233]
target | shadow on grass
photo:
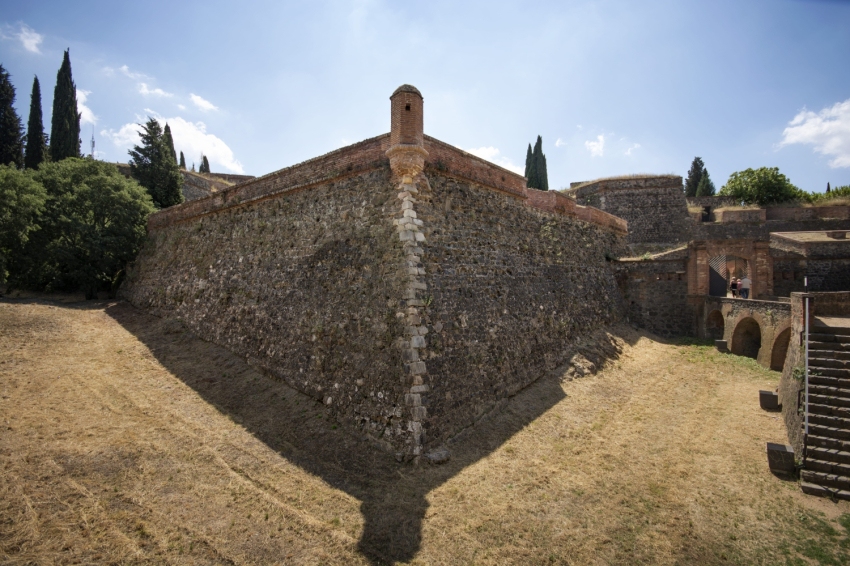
[392, 495]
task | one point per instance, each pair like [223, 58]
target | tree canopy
[65, 122]
[204, 167]
[762, 186]
[153, 164]
[92, 225]
[36, 150]
[21, 203]
[695, 174]
[706, 185]
[536, 172]
[11, 130]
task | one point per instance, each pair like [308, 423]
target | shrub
[762, 186]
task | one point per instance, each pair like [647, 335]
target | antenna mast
[92, 141]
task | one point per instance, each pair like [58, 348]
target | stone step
[829, 363]
[819, 490]
[826, 431]
[826, 467]
[820, 329]
[828, 410]
[819, 337]
[827, 443]
[829, 381]
[827, 454]
[828, 346]
[824, 479]
[827, 391]
[828, 400]
[829, 372]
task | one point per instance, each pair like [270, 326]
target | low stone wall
[729, 216]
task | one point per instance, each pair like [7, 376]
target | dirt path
[124, 439]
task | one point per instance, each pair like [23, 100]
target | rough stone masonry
[407, 285]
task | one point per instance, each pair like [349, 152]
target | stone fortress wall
[406, 284]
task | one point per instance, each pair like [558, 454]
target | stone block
[406, 235]
[439, 455]
[769, 401]
[417, 368]
[410, 213]
[721, 346]
[419, 413]
[419, 389]
[780, 458]
[420, 237]
[417, 342]
[408, 356]
[412, 399]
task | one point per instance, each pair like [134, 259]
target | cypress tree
[169, 142]
[205, 165]
[827, 186]
[694, 175]
[706, 185]
[538, 177]
[182, 161]
[65, 123]
[528, 160]
[154, 166]
[11, 130]
[36, 151]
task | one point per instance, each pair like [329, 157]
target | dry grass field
[126, 440]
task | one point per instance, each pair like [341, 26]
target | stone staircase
[826, 469]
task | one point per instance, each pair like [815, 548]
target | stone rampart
[655, 292]
[654, 206]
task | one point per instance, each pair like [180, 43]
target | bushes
[762, 186]
[21, 203]
[92, 224]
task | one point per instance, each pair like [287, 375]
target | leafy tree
[706, 185]
[11, 131]
[169, 142]
[36, 150]
[93, 224]
[205, 165]
[154, 166]
[182, 161]
[762, 186]
[535, 167]
[695, 173]
[21, 202]
[65, 122]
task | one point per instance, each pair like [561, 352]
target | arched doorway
[715, 325]
[723, 267]
[780, 349]
[746, 340]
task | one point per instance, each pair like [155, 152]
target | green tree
[93, 224]
[65, 122]
[36, 150]
[706, 185]
[762, 186]
[535, 167]
[11, 131]
[169, 142]
[154, 166]
[21, 203]
[182, 161]
[204, 167]
[695, 173]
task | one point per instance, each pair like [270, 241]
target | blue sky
[614, 87]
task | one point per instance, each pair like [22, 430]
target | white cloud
[596, 148]
[135, 76]
[632, 147]
[827, 130]
[189, 137]
[202, 103]
[560, 143]
[126, 137]
[493, 155]
[29, 38]
[143, 88]
[181, 107]
[86, 115]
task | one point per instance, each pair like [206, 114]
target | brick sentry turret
[407, 160]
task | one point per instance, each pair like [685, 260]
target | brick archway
[715, 325]
[780, 349]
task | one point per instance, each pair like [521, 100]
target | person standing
[733, 286]
[744, 286]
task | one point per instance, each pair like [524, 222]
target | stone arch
[715, 324]
[780, 349]
[746, 338]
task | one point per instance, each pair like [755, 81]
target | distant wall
[655, 293]
[654, 206]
